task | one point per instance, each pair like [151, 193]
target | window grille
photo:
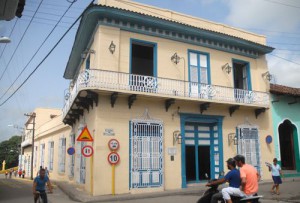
[50, 155]
[62, 155]
[248, 145]
[146, 154]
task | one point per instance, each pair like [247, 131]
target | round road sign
[71, 150]
[113, 158]
[87, 151]
[113, 144]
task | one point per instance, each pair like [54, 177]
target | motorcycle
[207, 195]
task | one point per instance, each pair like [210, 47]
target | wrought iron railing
[156, 86]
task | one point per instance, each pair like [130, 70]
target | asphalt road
[17, 190]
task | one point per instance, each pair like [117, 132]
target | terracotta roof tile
[280, 89]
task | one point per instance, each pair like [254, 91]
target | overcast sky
[278, 20]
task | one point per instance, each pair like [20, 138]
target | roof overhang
[136, 22]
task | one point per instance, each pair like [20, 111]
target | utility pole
[32, 116]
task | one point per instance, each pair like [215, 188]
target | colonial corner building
[177, 94]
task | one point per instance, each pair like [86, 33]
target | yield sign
[85, 136]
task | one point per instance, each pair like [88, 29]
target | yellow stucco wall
[118, 118]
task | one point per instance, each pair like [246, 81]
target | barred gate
[249, 146]
[146, 153]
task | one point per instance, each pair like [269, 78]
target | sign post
[113, 158]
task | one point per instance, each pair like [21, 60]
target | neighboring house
[180, 94]
[286, 124]
[51, 136]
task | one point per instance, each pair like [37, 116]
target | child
[276, 172]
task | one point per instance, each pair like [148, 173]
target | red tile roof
[280, 89]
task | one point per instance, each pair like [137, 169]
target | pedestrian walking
[23, 173]
[20, 172]
[6, 173]
[276, 173]
[11, 172]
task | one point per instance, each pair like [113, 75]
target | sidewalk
[290, 192]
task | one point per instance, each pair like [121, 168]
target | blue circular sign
[269, 139]
[71, 150]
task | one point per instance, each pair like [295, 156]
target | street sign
[113, 144]
[71, 150]
[85, 136]
[87, 151]
[113, 158]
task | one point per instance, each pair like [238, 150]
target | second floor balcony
[103, 80]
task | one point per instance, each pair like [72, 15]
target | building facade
[180, 94]
[51, 137]
[286, 124]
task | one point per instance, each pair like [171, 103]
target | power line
[276, 2]
[36, 52]
[44, 57]
[285, 59]
[20, 40]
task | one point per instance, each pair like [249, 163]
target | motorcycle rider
[249, 180]
[233, 177]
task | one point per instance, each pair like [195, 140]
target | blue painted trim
[220, 132]
[88, 62]
[206, 120]
[198, 64]
[182, 32]
[130, 135]
[249, 83]
[154, 44]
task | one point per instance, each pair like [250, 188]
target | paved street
[20, 191]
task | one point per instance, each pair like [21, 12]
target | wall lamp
[267, 76]
[175, 58]
[227, 68]
[177, 137]
[112, 47]
[232, 138]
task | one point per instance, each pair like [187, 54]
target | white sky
[278, 20]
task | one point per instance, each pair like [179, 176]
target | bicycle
[41, 197]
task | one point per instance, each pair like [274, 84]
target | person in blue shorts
[39, 186]
[233, 177]
[276, 173]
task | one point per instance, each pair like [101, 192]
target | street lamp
[31, 116]
[5, 39]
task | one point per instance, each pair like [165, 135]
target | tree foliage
[10, 150]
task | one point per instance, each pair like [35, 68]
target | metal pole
[32, 147]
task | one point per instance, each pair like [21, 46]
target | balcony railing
[140, 84]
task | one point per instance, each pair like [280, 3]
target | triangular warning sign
[85, 136]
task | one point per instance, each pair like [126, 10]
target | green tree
[10, 150]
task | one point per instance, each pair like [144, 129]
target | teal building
[286, 123]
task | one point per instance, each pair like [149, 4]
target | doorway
[143, 66]
[287, 145]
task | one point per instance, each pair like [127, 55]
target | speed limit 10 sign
[113, 158]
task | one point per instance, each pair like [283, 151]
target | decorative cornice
[153, 26]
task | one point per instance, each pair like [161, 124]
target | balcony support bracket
[204, 107]
[77, 111]
[113, 99]
[259, 111]
[168, 103]
[232, 109]
[92, 97]
[131, 99]
[83, 102]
